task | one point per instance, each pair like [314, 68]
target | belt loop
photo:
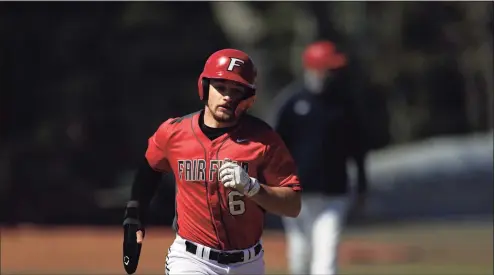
[206, 253]
[247, 255]
[199, 250]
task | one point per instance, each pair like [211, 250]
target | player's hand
[132, 218]
[139, 236]
[233, 176]
[133, 237]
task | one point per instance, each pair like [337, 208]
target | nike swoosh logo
[241, 140]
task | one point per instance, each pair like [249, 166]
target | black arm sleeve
[144, 187]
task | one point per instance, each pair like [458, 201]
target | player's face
[224, 97]
[314, 80]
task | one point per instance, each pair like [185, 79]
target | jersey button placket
[214, 188]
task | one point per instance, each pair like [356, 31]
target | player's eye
[233, 91]
[230, 91]
[238, 91]
[221, 88]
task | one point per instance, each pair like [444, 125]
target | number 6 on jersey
[236, 204]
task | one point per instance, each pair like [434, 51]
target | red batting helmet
[228, 64]
[322, 55]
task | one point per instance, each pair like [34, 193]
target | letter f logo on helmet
[234, 62]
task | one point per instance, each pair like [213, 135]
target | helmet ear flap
[205, 85]
[245, 105]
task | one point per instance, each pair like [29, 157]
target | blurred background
[84, 84]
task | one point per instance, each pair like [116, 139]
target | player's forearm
[144, 186]
[282, 201]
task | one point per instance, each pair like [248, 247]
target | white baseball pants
[180, 261]
[313, 237]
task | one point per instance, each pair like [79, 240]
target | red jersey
[207, 212]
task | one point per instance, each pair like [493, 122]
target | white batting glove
[233, 176]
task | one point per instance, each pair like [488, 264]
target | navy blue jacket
[322, 132]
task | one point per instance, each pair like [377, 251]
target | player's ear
[251, 102]
[245, 105]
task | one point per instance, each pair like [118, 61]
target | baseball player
[328, 134]
[230, 168]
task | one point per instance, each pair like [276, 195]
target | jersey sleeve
[156, 154]
[279, 167]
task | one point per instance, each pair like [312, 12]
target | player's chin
[225, 116]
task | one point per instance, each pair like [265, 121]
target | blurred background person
[318, 120]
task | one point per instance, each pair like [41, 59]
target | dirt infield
[92, 250]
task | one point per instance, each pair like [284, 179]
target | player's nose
[228, 97]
